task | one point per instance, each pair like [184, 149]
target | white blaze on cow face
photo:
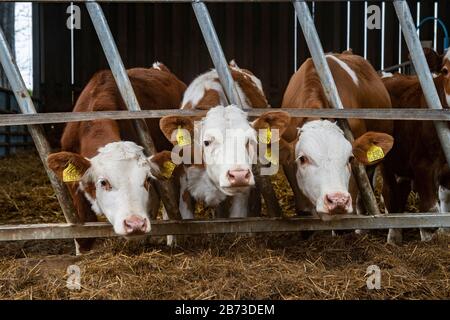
[323, 158]
[227, 141]
[120, 173]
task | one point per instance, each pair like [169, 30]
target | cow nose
[239, 177]
[135, 224]
[338, 202]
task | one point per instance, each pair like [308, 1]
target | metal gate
[374, 220]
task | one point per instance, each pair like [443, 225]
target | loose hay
[208, 267]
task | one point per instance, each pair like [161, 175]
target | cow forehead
[227, 118]
[118, 159]
[322, 140]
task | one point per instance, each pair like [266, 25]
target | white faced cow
[320, 171]
[225, 148]
[106, 171]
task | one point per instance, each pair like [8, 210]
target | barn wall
[258, 35]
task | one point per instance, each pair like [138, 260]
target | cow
[224, 169]
[320, 157]
[206, 92]
[416, 161]
[105, 168]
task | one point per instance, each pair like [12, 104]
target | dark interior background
[260, 36]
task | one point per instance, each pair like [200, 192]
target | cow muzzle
[135, 225]
[338, 203]
[239, 178]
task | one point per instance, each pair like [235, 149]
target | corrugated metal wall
[260, 36]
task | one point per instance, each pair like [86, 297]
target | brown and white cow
[224, 139]
[106, 170]
[416, 161]
[321, 154]
[206, 92]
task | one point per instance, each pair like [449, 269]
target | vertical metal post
[26, 106]
[422, 70]
[329, 87]
[167, 191]
[216, 52]
[221, 65]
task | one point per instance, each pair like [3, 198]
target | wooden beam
[248, 225]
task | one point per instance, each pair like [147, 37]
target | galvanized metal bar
[118, 70]
[216, 52]
[221, 226]
[166, 189]
[329, 87]
[374, 114]
[26, 106]
[423, 71]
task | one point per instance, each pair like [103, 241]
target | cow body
[321, 174]
[114, 176]
[416, 161]
[225, 170]
[206, 92]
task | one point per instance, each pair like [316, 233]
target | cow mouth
[231, 191]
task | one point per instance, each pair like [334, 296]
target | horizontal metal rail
[396, 67]
[378, 114]
[248, 225]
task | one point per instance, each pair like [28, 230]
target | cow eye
[350, 159]
[444, 71]
[206, 143]
[104, 183]
[303, 160]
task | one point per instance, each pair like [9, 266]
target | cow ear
[68, 166]
[272, 120]
[178, 130]
[372, 147]
[162, 166]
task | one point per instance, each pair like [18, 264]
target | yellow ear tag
[167, 169]
[71, 174]
[268, 138]
[374, 153]
[269, 157]
[183, 139]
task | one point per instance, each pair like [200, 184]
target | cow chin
[232, 191]
[326, 215]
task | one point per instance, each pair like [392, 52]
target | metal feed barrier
[374, 220]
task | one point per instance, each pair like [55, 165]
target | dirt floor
[283, 266]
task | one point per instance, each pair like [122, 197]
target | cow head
[225, 142]
[323, 158]
[445, 72]
[116, 182]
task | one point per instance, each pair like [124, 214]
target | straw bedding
[277, 266]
